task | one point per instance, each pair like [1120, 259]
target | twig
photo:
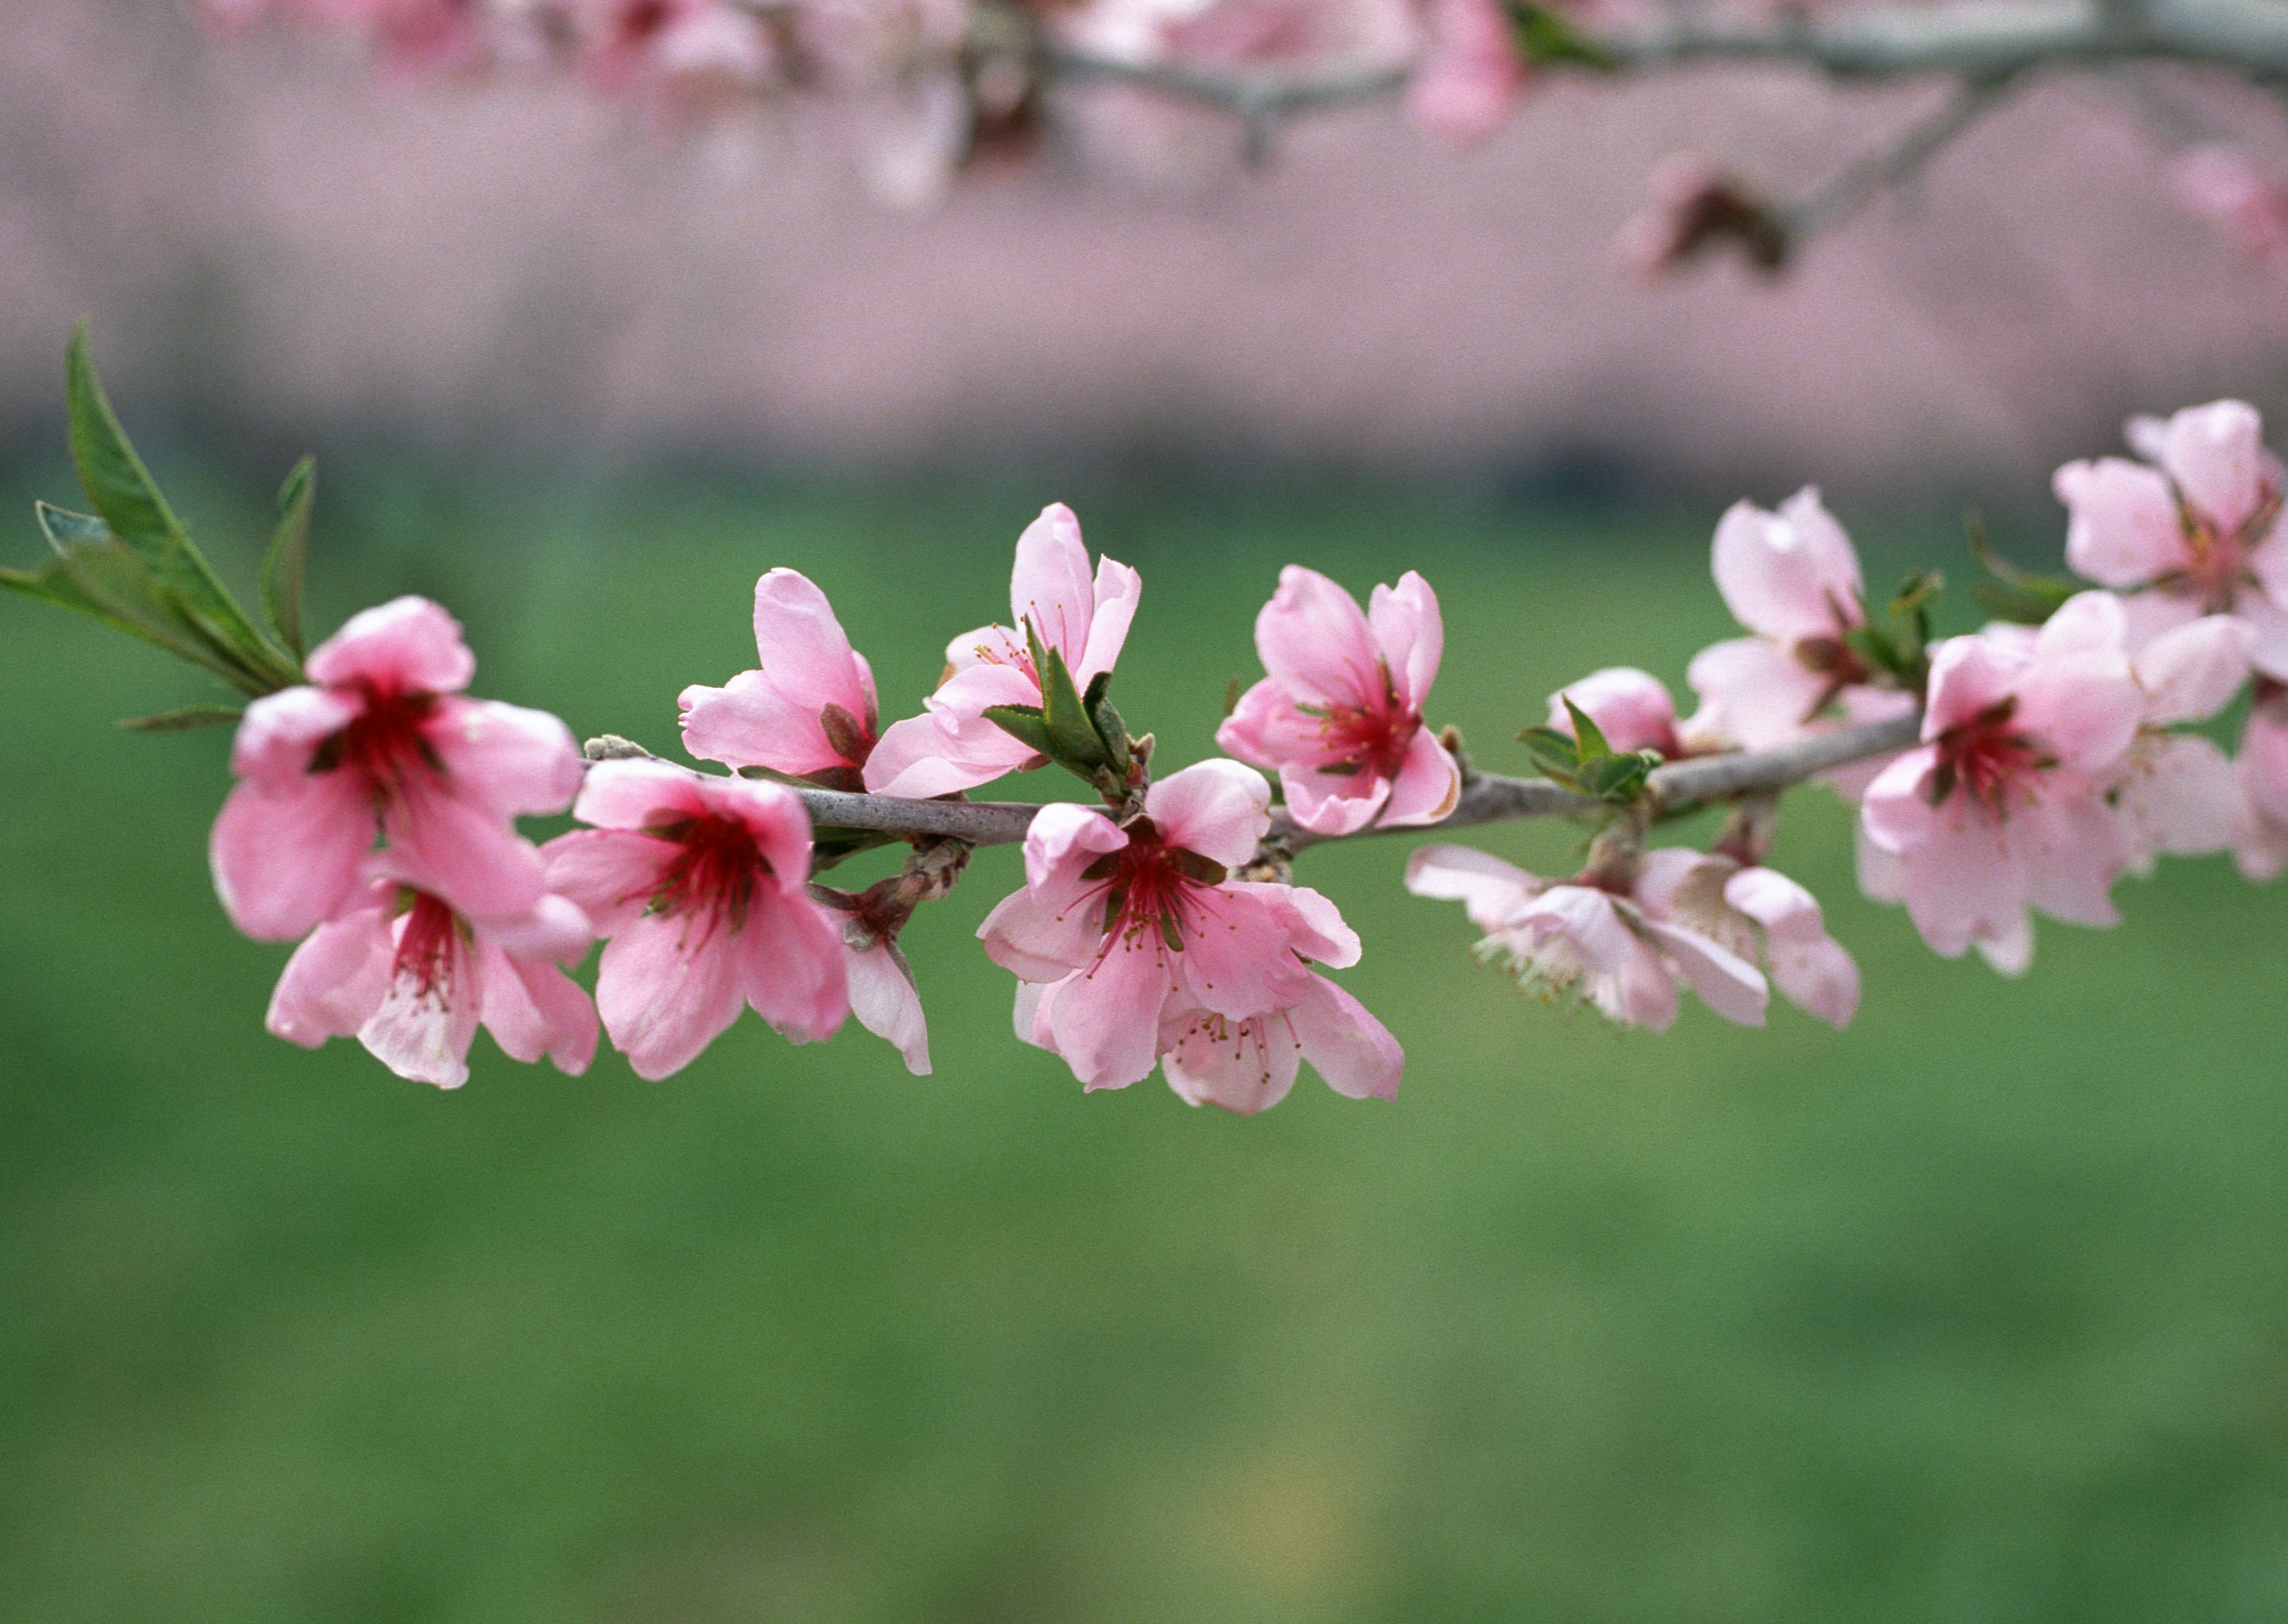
[1858, 186]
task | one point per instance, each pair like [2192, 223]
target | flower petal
[407, 645]
[882, 998]
[1489, 889]
[1412, 634]
[286, 854]
[2121, 528]
[1351, 1050]
[791, 966]
[1313, 639]
[667, 986]
[1217, 808]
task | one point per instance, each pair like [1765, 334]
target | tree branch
[1487, 798]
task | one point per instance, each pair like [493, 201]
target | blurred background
[1977, 1310]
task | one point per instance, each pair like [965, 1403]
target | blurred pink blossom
[1340, 715]
[1761, 917]
[1633, 709]
[2224, 186]
[1470, 77]
[1584, 940]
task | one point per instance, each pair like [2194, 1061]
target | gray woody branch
[1487, 798]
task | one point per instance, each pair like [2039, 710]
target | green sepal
[183, 721]
[1589, 743]
[1556, 756]
[1111, 732]
[1023, 724]
[1618, 779]
[1546, 35]
[286, 563]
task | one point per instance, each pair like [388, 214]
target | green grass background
[1976, 1312]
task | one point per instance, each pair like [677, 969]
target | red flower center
[388, 741]
[1147, 887]
[715, 868]
[1368, 738]
[1986, 757]
[2216, 570]
[425, 952]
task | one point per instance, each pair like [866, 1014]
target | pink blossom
[2196, 534]
[401, 971]
[412, 36]
[1470, 79]
[1136, 943]
[2176, 792]
[1340, 713]
[1761, 917]
[1696, 207]
[1633, 710]
[2003, 806]
[636, 46]
[953, 745]
[383, 744]
[700, 884]
[1582, 940]
[809, 711]
[882, 997]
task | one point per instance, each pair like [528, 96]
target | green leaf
[1023, 724]
[184, 720]
[1618, 778]
[1544, 35]
[1556, 756]
[283, 567]
[1589, 739]
[94, 572]
[181, 590]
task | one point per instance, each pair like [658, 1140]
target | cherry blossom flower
[884, 999]
[1340, 715]
[1135, 943]
[1470, 79]
[2195, 534]
[411, 979]
[1584, 940]
[1761, 917]
[1696, 207]
[674, 47]
[808, 712]
[2003, 806]
[699, 883]
[382, 743]
[953, 745]
[2223, 186]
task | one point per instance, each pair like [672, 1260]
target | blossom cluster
[2020, 769]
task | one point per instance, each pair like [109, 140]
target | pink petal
[424, 1034]
[1583, 916]
[1817, 975]
[772, 814]
[1217, 808]
[339, 976]
[1897, 812]
[1314, 924]
[511, 761]
[556, 931]
[2121, 528]
[1969, 675]
[2072, 849]
[1105, 1018]
[533, 1008]
[1349, 1049]
[2191, 673]
[911, 760]
[1332, 803]
[1428, 786]
[882, 998]
[629, 794]
[1050, 586]
[281, 732]
[1412, 634]
[2215, 453]
[1638, 991]
[1311, 638]
[1267, 728]
[1244, 1066]
[1962, 882]
[284, 855]
[1489, 889]
[1118, 590]
[2264, 763]
[1727, 983]
[463, 853]
[1788, 575]
[790, 966]
[2183, 797]
[409, 646]
[1236, 960]
[804, 655]
[610, 874]
[1753, 694]
[2267, 626]
[2009, 950]
[667, 986]
[1045, 933]
[1466, 85]
[746, 722]
[1063, 839]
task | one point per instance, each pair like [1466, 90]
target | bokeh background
[1977, 1310]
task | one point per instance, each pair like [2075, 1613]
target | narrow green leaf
[283, 567]
[1617, 778]
[1588, 737]
[1072, 735]
[182, 587]
[1544, 35]
[92, 572]
[184, 720]
[1023, 724]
